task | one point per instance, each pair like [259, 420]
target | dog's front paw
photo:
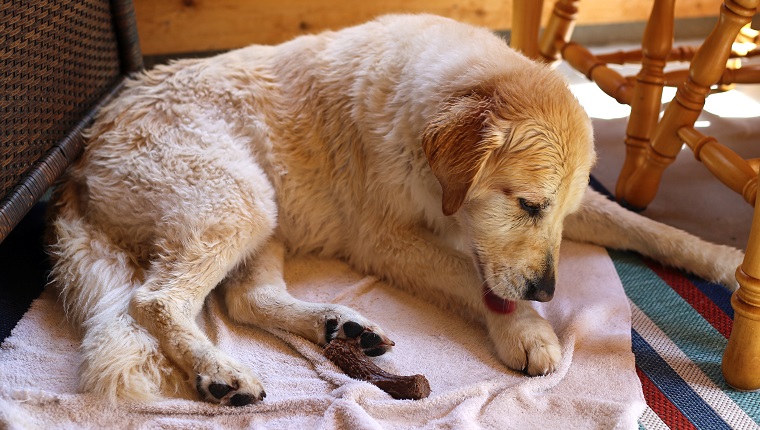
[525, 342]
[369, 336]
[535, 352]
[228, 383]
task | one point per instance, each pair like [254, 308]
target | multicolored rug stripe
[680, 327]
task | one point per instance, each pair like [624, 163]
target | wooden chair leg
[706, 68]
[656, 46]
[558, 30]
[555, 44]
[526, 21]
[741, 359]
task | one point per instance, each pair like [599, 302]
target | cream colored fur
[418, 149]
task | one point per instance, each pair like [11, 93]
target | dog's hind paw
[228, 386]
[370, 338]
[225, 394]
[230, 395]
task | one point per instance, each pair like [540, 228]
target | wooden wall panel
[178, 26]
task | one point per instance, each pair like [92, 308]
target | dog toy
[349, 357]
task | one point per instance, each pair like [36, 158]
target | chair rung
[730, 168]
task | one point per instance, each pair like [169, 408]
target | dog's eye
[532, 209]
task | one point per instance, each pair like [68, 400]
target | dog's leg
[255, 293]
[604, 222]
[96, 279]
[195, 260]
[523, 340]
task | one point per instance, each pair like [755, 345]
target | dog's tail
[96, 279]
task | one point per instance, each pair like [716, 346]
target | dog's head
[513, 157]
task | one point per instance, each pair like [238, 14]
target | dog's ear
[455, 145]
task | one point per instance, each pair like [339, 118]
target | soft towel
[596, 385]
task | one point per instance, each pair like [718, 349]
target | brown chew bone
[349, 357]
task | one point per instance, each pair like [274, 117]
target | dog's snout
[541, 289]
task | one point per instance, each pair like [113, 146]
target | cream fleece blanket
[595, 387]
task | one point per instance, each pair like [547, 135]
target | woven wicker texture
[58, 58]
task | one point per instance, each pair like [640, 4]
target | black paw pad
[331, 330]
[241, 399]
[219, 390]
[370, 340]
[352, 329]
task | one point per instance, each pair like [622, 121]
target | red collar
[496, 304]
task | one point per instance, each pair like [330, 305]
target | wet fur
[416, 148]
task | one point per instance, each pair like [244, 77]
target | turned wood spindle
[558, 30]
[608, 80]
[741, 359]
[526, 22]
[656, 46]
[679, 53]
[706, 68]
[745, 75]
[723, 163]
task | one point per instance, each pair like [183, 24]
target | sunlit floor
[689, 196]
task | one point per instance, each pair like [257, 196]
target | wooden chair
[653, 143]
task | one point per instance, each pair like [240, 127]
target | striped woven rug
[680, 327]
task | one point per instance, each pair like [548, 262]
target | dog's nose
[541, 289]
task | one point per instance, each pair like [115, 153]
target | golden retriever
[418, 149]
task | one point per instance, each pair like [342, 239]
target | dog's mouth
[493, 301]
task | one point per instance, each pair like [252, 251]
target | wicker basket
[60, 61]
